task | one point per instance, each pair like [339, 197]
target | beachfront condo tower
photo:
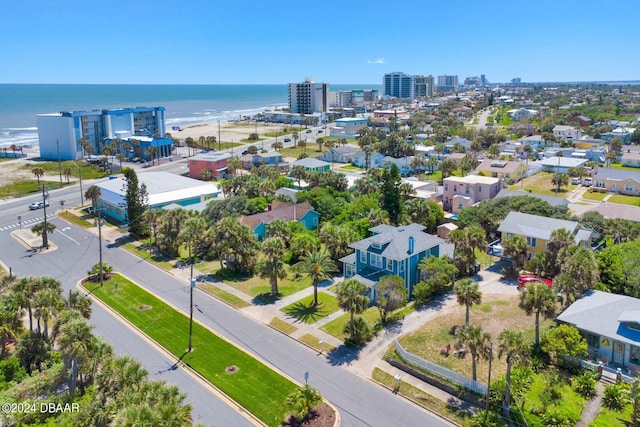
[399, 85]
[308, 97]
[131, 131]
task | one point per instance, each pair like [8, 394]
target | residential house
[456, 140]
[521, 114]
[562, 164]
[535, 141]
[624, 133]
[566, 132]
[536, 230]
[391, 251]
[610, 323]
[580, 120]
[631, 159]
[510, 171]
[272, 159]
[291, 193]
[423, 189]
[460, 192]
[348, 127]
[339, 154]
[360, 159]
[589, 143]
[617, 181]
[456, 157]
[403, 164]
[313, 165]
[214, 162]
[301, 212]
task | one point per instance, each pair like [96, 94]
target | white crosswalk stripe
[26, 222]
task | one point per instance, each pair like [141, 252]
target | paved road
[359, 401]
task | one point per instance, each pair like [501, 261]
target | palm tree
[303, 399]
[93, 193]
[299, 173]
[11, 313]
[352, 297]
[277, 146]
[511, 345]
[516, 247]
[418, 163]
[538, 298]
[80, 303]
[468, 294]
[477, 342]
[206, 175]
[14, 148]
[38, 172]
[273, 267]
[318, 266]
[234, 165]
[76, 342]
[121, 158]
[67, 172]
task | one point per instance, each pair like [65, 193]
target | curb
[228, 400]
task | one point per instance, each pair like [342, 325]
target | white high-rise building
[308, 97]
[448, 83]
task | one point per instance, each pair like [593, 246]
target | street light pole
[100, 244]
[45, 237]
[192, 284]
[80, 176]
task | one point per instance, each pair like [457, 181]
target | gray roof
[395, 241]
[310, 162]
[616, 174]
[290, 192]
[552, 200]
[604, 314]
[536, 226]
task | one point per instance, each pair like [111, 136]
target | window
[592, 340]
[446, 187]
[376, 246]
[349, 270]
[400, 268]
[629, 188]
[635, 354]
[532, 241]
[376, 260]
[389, 264]
[479, 189]
[455, 188]
[363, 257]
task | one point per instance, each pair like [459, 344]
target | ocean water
[185, 104]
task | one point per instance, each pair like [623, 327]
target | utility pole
[80, 176]
[45, 237]
[100, 245]
[219, 141]
[59, 164]
[192, 284]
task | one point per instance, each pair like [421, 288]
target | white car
[575, 181]
[38, 205]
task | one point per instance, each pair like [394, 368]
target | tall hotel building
[399, 85]
[308, 97]
[424, 86]
[447, 83]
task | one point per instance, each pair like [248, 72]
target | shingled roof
[279, 210]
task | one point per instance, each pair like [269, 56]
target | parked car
[576, 181]
[320, 131]
[526, 279]
[308, 131]
[287, 140]
[38, 205]
[587, 182]
[245, 152]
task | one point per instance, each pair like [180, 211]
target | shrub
[615, 396]
[487, 419]
[303, 400]
[556, 418]
[585, 384]
[423, 292]
[361, 331]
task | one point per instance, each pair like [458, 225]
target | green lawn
[311, 149]
[624, 200]
[304, 311]
[225, 296]
[76, 220]
[351, 168]
[51, 170]
[627, 168]
[156, 259]
[255, 286]
[283, 326]
[371, 315]
[22, 188]
[609, 418]
[253, 385]
[314, 342]
[540, 183]
[594, 195]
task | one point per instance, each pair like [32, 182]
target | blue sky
[346, 41]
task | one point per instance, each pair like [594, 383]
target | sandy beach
[229, 131]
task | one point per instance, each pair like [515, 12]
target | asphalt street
[359, 401]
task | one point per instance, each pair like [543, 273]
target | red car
[525, 279]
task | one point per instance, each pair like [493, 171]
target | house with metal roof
[311, 164]
[163, 188]
[510, 171]
[552, 200]
[392, 251]
[611, 325]
[536, 230]
[617, 181]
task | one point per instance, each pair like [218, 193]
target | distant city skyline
[204, 42]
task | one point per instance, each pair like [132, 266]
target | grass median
[246, 380]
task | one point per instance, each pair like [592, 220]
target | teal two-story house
[301, 212]
[391, 251]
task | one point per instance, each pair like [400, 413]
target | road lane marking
[68, 237]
